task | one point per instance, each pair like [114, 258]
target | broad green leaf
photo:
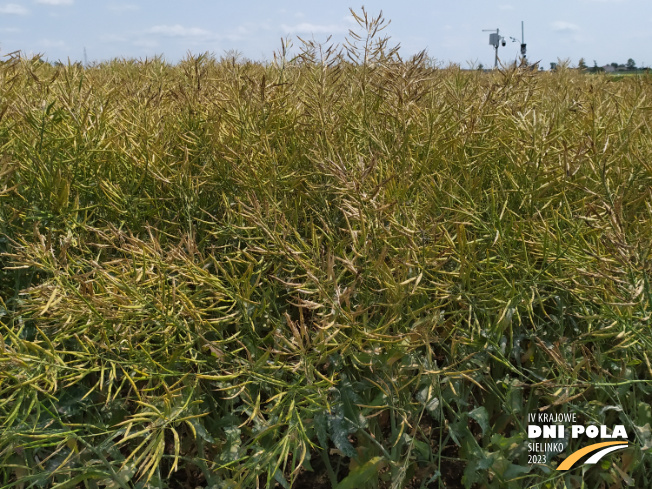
[482, 417]
[340, 429]
[361, 475]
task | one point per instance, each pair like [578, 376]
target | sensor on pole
[495, 39]
[523, 45]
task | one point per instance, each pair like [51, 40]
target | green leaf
[645, 436]
[361, 475]
[479, 463]
[482, 417]
[422, 448]
[321, 428]
[232, 447]
[644, 413]
[349, 403]
[278, 477]
[86, 476]
[340, 428]
[430, 402]
[507, 444]
[515, 471]
[201, 431]
[122, 478]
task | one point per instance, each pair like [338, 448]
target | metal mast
[495, 40]
[523, 45]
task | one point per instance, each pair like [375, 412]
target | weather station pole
[523, 45]
[495, 40]
[522, 34]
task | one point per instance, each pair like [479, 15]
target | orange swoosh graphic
[575, 456]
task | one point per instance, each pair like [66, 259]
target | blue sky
[602, 30]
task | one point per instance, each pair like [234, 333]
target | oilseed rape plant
[342, 268]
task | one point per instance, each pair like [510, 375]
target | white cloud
[563, 26]
[49, 43]
[308, 28]
[113, 38]
[145, 43]
[178, 30]
[13, 9]
[506, 7]
[55, 2]
[9, 29]
[123, 7]
[152, 37]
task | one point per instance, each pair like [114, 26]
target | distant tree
[595, 68]
[553, 66]
[631, 64]
[480, 67]
[615, 65]
[582, 64]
